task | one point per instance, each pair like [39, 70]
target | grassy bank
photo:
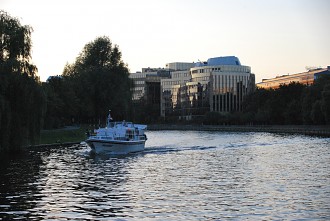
[64, 135]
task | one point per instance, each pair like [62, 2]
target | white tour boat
[118, 138]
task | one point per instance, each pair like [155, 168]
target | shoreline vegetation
[322, 130]
[75, 135]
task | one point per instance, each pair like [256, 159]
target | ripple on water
[180, 175]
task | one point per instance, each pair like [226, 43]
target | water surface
[182, 175]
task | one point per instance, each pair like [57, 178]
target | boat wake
[168, 149]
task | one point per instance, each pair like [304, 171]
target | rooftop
[227, 60]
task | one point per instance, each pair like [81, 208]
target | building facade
[172, 99]
[306, 78]
[218, 84]
[139, 80]
[143, 80]
[179, 66]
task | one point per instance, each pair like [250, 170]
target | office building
[218, 84]
[306, 78]
[139, 79]
[147, 84]
[172, 99]
[179, 66]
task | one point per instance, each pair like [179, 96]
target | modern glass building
[218, 84]
[172, 99]
[139, 79]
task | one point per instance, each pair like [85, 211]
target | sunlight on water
[181, 175]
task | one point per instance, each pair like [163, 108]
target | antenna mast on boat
[109, 118]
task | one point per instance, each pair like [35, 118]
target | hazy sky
[274, 37]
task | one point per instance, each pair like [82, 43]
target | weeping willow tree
[21, 97]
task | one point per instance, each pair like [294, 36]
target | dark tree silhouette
[22, 101]
[97, 81]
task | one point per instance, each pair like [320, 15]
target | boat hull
[115, 147]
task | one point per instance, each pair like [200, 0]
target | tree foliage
[22, 101]
[289, 104]
[97, 81]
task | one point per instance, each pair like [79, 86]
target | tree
[315, 101]
[215, 118]
[316, 114]
[22, 101]
[15, 46]
[325, 103]
[307, 104]
[293, 113]
[100, 80]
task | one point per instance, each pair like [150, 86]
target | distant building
[187, 90]
[147, 83]
[224, 81]
[219, 84]
[139, 79]
[171, 92]
[152, 86]
[179, 66]
[306, 78]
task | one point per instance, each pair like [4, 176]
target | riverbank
[290, 129]
[66, 136]
[74, 135]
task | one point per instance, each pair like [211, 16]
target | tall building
[218, 84]
[148, 76]
[139, 80]
[147, 84]
[306, 78]
[172, 100]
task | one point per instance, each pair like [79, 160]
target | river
[181, 175]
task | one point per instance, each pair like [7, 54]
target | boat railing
[120, 123]
[121, 138]
[142, 137]
[137, 137]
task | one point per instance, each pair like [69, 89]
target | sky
[273, 37]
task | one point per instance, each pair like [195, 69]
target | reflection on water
[181, 175]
